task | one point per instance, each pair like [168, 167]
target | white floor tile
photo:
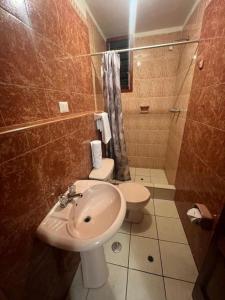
[145, 180]
[177, 287]
[114, 289]
[142, 172]
[165, 208]
[157, 172]
[140, 249]
[158, 176]
[149, 208]
[147, 228]
[142, 286]
[120, 258]
[125, 228]
[170, 229]
[77, 291]
[177, 261]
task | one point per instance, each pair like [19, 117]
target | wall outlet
[63, 106]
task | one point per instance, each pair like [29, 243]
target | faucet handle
[71, 190]
[62, 201]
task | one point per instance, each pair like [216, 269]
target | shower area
[161, 79]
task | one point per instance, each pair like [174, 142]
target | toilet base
[94, 268]
[134, 216]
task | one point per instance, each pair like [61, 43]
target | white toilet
[135, 194]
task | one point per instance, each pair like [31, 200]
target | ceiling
[113, 15]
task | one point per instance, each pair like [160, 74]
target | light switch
[63, 106]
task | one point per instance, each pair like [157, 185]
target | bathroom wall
[41, 150]
[184, 78]
[201, 169]
[97, 44]
[154, 78]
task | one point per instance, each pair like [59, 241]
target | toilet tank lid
[105, 171]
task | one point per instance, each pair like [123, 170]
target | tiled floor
[155, 262]
[149, 176]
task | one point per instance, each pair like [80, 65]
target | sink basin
[97, 215]
[85, 225]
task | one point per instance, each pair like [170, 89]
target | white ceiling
[113, 15]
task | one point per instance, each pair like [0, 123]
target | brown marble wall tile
[39, 40]
[21, 104]
[18, 57]
[43, 17]
[38, 136]
[206, 106]
[214, 23]
[20, 187]
[12, 145]
[200, 176]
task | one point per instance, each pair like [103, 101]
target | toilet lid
[134, 192]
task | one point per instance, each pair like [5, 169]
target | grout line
[157, 239]
[145, 272]
[182, 280]
[160, 256]
[153, 238]
[128, 261]
[87, 294]
[110, 263]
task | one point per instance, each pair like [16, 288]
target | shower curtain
[116, 148]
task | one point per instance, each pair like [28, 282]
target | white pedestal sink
[85, 225]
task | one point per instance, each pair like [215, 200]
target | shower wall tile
[200, 175]
[154, 78]
[39, 40]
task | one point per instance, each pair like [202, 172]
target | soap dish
[144, 109]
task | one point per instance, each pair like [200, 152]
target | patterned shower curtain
[116, 148]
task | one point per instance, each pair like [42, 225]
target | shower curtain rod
[144, 47]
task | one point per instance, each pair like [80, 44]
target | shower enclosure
[161, 84]
[162, 79]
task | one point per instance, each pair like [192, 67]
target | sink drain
[87, 219]
[116, 247]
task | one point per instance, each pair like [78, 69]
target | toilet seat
[134, 193]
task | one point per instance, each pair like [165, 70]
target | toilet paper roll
[96, 150]
[194, 215]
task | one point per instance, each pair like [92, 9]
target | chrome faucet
[68, 197]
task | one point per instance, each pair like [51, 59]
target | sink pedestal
[94, 268]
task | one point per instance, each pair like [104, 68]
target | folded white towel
[96, 149]
[104, 127]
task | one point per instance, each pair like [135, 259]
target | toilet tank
[105, 172]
